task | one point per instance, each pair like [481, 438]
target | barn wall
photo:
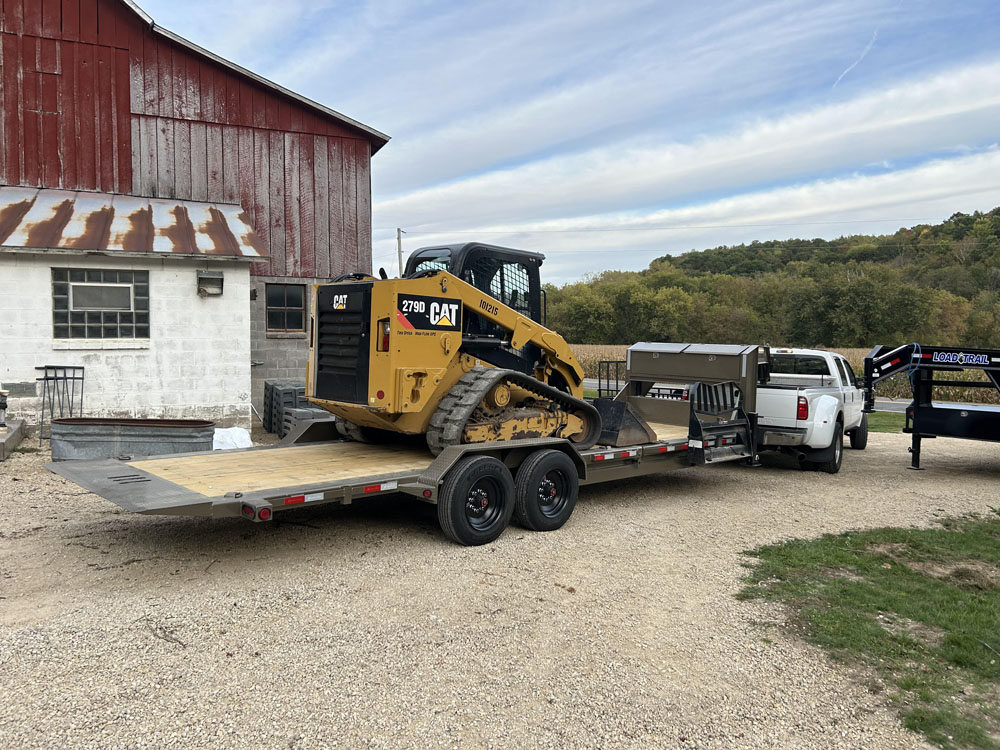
[93, 100]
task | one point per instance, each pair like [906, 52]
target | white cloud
[856, 204]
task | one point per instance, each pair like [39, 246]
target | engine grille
[342, 342]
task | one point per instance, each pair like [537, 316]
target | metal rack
[62, 391]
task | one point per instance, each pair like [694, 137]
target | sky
[605, 135]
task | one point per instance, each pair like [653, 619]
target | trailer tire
[476, 500]
[859, 435]
[545, 490]
[833, 465]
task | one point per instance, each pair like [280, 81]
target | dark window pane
[140, 276]
[60, 317]
[124, 277]
[60, 274]
[294, 320]
[61, 332]
[60, 289]
[93, 318]
[101, 297]
[142, 317]
[142, 304]
[111, 332]
[275, 295]
[77, 274]
[110, 277]
[60, 303]
[142, 290]
[78, 332]
[93, 332]
[125, 332]
[77, 317]
[142, 332]
[275, 320]
[294, 296]
[93, 276]
[109, 317]
[124, 317]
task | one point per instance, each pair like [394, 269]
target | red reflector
[427, 493]
[264, 514]
[380, 395]
[894, 362]
[684, 447]
[373, 488]
[599, 457]
[684, 396]
[295, 499]
[662, 449]
[248, 511]
[926, 356]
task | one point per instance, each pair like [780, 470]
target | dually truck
[810, 402]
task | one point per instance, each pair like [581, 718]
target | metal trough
[88, 438]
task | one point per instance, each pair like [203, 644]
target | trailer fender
[825, 412]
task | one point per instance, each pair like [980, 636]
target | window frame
[72, 323]
[284, 309]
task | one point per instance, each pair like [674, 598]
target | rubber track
[455, 409]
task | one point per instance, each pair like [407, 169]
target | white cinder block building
[149, 296]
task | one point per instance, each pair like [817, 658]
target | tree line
[937, 284]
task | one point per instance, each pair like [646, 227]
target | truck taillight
[803, 411]
[383, 335]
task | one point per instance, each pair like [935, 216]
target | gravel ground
[363, 627]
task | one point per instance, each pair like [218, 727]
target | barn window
[100, 304]
[286, 307]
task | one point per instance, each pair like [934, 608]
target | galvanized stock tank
[86, 437]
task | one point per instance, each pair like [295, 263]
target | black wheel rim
[484, 503]
[553, 494]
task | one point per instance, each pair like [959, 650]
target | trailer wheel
[833, 465]
[859, 435]
[476, 501]
[545, 490]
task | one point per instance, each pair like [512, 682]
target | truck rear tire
[859, 435]
[476, 501]
[545, 490]
[833, 465]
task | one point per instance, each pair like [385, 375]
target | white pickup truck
[809, 404]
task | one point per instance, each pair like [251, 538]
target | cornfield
[899, 388]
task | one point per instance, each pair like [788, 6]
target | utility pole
[399, 249]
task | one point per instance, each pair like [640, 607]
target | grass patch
[885, 421]
[921, 607]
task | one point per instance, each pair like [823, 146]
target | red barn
[96, 97]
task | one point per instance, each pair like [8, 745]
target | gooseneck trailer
[929, 367]
[478, 487]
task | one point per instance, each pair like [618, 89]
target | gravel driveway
[363, 627]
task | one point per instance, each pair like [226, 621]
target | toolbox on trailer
[926, 418]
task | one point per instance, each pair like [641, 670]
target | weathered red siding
[92, 99]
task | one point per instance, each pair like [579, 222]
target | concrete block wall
[281, 355]
[195, 364]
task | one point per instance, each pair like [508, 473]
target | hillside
[932, 283]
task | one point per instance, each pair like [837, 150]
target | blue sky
[607, 134]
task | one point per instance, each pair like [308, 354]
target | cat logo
[443, 314]
[339, 301]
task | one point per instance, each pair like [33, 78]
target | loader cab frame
[508, 275]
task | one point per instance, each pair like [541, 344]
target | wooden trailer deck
[215, 474]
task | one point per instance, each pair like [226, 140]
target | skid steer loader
[455, 350]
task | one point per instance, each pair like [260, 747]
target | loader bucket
[620, 425]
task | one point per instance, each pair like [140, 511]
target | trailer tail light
[248, 511]
[383, 335]
[803, 411]
[264, 514]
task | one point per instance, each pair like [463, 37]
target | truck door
[852, 397]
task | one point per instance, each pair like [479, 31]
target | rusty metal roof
[45, 219]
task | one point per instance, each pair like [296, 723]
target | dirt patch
[918, 631]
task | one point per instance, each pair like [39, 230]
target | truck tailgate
[217, 483]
